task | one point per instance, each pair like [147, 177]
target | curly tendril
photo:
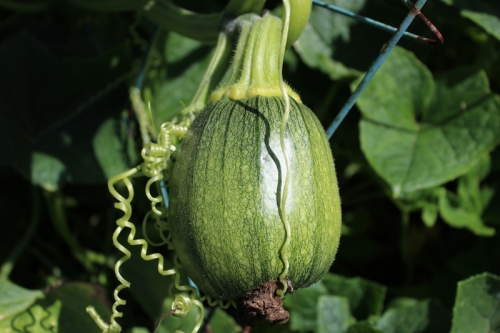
[285, 248]
[161, 226]
[123, 204]
[157, 157]
[156, 160]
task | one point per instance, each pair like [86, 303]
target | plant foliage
[417, 159]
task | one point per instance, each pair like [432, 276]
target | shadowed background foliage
[417, 163]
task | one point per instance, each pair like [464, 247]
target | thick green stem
[240, 7]
[202, 27]
[299, 13]
[13, 256]
[214, 70]
[255, 68]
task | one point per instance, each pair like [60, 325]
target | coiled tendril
[157, 160]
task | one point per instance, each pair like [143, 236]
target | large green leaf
[462, 208]
[417, 133]
[222, 322]
[53, 109]
[486, 14]
[413, 316]
[333, 314]
[303, 307]
[174, 76]
[147, 285]
[15, 299]
[366, 298]
[154, 292]
[62, 310]
[315, 44]
[74, 298]
[477, 306]
[363, 327]
[465, 208]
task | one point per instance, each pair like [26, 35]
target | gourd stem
[240, 7]
[221, 51]
[237, 63]
[202, 27]
[284, 120]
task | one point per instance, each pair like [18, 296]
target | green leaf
[48, 131]
[147, 285]
[62, 310]
[174, 77]
[485, 14]
[465, 208]
[428, 132]
[155, 292]
[315, 44]
[363, 327]
[303, 310]
[477, 306]
[15, 299]
[222, 322]
[366, 298]
[333, 314]
[41, 317]
[46, 170]
[172, 324]
[139, 330]
[74, 298]
[108, 149]
[412, 316]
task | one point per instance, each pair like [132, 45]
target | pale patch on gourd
[270, 174]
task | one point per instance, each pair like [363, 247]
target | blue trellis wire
[375, 66]
[378, 24]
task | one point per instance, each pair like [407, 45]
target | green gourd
[226, 191]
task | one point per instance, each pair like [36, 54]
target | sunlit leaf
[426, 133]
[62, 310]
[413, 316]
[363, 327]
[303, 310]
[465, 208]
[15, 299]
[477, 306]
[486, 14]
[315, 44]
[333, 314]
[366, 298]
[174, 77]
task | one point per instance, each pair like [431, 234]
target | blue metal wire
[374, 68]
[364, 19]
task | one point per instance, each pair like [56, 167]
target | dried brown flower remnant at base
[261, 304]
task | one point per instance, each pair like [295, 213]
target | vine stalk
[284, 120]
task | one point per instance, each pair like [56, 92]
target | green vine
[285, 249]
